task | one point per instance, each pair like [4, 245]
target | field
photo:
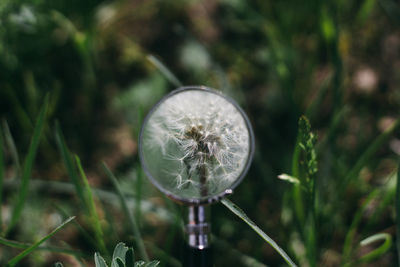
[319, 81]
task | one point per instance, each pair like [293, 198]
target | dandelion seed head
[196, 130]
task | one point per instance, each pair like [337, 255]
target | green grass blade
[176, 217]
[9, 142]
[388, 194]
[370, 151]
[89, 201]
[17, 107]
[2, 169]
[164, 70]
[240, 213]
[397, 206]
[19, 245]
[128, 212]
[68, 162]
[28, 164]
[24, 253]
[138, 197]
[315, 106]
[376, 253]
[349, 240]
[335, 123]
[82, 230]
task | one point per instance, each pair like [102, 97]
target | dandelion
[197, 143]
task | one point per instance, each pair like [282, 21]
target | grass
[28, 250]
[351, 232]
[124, 257]
[128, 212]
[18, 245]
[165, 71]
[68, 163]
[397, 205]
[11, 147]
[240, 213]
[104, 65]
[27, 167]
[91, 207]
[370, 151]
[2, 167]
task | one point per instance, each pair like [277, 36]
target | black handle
[193, 257]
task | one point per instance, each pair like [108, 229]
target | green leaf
[24, 253]
[89, 201]
[139, 263]
[240, 213]
[128, 212]
[118, 262]
[130, 258]
[28, 164]
[99, 261]
[152, 264]
[288, 178]
[119, 252]
[378, 252]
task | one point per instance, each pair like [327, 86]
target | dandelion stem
[203, 180]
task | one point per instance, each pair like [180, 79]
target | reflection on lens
[195, 144]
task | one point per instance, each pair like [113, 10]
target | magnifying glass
[195, 146]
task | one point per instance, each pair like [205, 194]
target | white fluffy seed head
[191, 130]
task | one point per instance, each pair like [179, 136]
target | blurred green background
[105, 63]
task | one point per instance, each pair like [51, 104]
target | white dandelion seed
[197, 143]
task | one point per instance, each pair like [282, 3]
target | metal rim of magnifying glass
[211, 199]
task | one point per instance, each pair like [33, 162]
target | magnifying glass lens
[195, 144]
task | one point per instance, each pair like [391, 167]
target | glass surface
[195, 144]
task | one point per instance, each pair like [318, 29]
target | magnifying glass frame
[208, 199]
